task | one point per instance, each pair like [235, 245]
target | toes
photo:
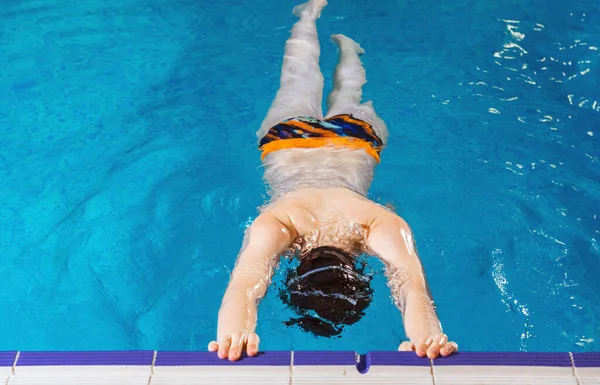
[237, 344]
[448, 349]
[213, 346]
[423, 346]
[224, 345]
[406, 346]
[253, 342]
[436, 345]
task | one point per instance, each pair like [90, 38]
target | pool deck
[296, 368]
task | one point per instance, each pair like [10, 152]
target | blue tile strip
[586, 360]
[85, 358]
[7, 358]
[324, 358]
[211, 359]
[395, 358]
[283, 358]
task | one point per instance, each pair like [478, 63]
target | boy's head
[327, 291]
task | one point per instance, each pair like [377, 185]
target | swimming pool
[129, 168]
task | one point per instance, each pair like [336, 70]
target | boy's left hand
[432, 346]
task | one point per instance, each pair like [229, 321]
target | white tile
[493, 375]
[5, 371]
[589, 376]
[332, 374]
[302, 375]
[221, 375]
[88, 375]
[398, 375]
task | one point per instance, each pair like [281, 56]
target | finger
[253, 341]
[213, 346]
[434, 349]
[237, 345]
[422, 346]
[224, 347]
[406, 346]
[449, 348]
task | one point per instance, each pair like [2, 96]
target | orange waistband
[347, 142]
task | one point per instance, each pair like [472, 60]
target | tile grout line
[574, 368]
[291, 382]
[14, 367]
[432, 371]
[152, 367]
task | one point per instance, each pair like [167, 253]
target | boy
[319, 170]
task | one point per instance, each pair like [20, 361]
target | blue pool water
[128, 168]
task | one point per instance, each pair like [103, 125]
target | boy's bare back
[335, 217]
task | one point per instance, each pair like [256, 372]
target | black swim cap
[327, 291]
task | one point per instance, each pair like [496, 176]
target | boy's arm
[265, 240]
[390, 238]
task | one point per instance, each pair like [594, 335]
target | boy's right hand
[231, 346]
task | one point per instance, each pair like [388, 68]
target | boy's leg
[348, 79]
[301, 87]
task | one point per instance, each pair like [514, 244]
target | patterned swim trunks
[306, 132]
